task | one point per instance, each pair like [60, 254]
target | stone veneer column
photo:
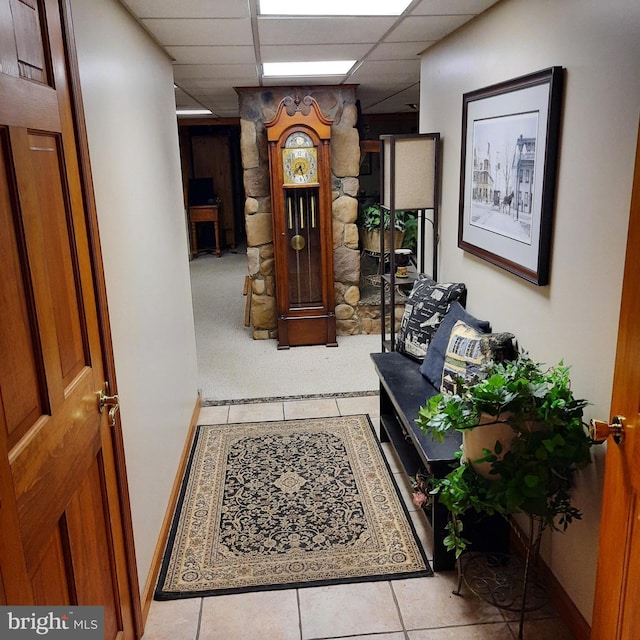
[338, 104]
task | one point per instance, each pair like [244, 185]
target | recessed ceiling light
[303, 69]
[193, 112]
[334, 8]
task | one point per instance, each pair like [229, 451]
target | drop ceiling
[217, 45]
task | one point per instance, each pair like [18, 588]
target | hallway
[411, 609]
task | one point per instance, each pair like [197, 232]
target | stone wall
[338, 104]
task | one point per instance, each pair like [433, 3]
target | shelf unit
[410, 169]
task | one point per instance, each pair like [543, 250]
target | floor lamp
[409, 182]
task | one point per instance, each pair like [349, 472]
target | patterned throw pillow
[469, 349]
[431, 367]
[426, 307]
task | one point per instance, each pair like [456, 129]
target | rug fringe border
[183, 595]
[208, 402]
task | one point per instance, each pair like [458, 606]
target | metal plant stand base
[505, 580]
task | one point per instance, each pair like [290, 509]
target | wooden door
[62, 536]
[616, 613]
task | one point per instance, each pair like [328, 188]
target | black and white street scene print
[502, 195]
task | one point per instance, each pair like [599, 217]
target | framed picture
[508, 172]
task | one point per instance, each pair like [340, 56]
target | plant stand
[506, 580]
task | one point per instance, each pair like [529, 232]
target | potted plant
[369, 221]
[531, 463]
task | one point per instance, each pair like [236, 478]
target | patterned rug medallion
[273, 505]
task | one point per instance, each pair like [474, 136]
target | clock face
[300, 166]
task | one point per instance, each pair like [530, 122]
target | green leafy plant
[410, 239]
[535, 475]
[369, 218]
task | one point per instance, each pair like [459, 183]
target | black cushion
[426, 306]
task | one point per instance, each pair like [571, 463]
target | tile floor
[411, 609]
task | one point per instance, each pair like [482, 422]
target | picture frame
[509, 158]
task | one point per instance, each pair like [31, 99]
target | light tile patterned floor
[411, 609]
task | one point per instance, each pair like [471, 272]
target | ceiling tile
[184, 100]
[188, 8]
[211, 85]
[213, 71]
[212, 55]
[212, 45]
[451, 7]
[376, 71]
[322, 30]
[426, 28]
[382, 67]
[218, 102]
[233, 31]
[399, 50]
[226, 97]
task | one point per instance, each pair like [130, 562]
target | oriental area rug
[274, 505]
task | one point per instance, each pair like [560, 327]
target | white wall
[127, 87]
[574, 318]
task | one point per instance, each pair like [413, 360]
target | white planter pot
[484, 436]
[489, 430]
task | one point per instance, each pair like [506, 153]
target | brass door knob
[105, 400]
[599, 430]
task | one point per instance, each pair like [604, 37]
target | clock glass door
[303, 247]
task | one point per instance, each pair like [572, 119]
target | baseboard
[558, 597]
[149, 587]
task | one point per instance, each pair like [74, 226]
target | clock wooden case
[300, 164]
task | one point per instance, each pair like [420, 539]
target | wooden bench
[403, 390]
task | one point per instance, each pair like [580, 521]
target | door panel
[49, 581]
[61, 262]
[616, 615]
[89, 539]
[21, 365]
[28, 38]
[62, 539]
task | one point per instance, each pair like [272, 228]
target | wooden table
[203, 213]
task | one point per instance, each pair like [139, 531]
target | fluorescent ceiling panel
[293, 69]
[334, 8]
[193, 112]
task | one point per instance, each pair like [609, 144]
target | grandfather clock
[300, 164]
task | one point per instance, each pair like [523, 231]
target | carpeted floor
[270, 505]
[233, 366]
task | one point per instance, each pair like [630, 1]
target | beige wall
[127, 86]
[575, 317]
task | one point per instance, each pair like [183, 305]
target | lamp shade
[409, 171]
